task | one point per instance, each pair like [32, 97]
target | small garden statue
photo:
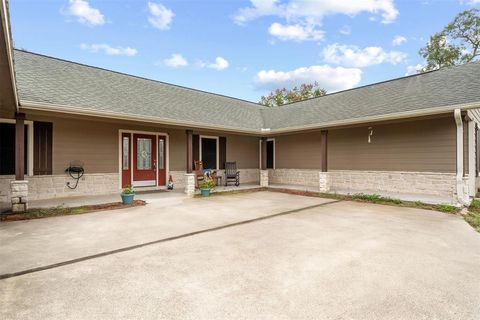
[170, 183]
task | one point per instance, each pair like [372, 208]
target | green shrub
[128, 190]
[207, 183]
[475, 205]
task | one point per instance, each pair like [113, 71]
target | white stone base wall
[394, 184]
[55, 186]
[178, 179]
[246, 176]
[303, 177]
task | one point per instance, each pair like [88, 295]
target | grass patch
[378, 199]
[475, 206]
[39, 213]
[473, 218]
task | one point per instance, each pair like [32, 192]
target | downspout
[471, 160]
[459, 176]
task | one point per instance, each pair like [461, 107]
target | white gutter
[8, 45]
[459, 176]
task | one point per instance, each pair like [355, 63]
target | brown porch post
[19, 146]
[323, 147]
[189, 151]
[264, 154]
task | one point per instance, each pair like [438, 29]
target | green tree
[282, 96]
[457, 43]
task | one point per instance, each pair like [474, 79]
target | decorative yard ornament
[170, 183]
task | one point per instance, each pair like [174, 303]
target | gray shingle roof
[49, 80]
[44, 79]
[441, 88]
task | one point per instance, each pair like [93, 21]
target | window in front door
[144, 154]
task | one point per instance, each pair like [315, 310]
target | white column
[190, 184]
[19, 195]
[264, 178]
[471, 159]
[460, 185]
[324, 182]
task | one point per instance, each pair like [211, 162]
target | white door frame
[260, 153]
[217, 149]
[120, 151]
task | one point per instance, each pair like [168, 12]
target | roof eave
[4, 17]
[31, 105]
[377, 118]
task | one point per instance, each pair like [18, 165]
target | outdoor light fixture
[370, 134]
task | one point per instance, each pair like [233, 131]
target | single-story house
[414, 137]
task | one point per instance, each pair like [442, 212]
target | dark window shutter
[196, 148]
[42, 148]
[222, 157]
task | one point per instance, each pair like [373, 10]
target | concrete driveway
[296, 257]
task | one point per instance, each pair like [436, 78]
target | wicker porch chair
[198, 172]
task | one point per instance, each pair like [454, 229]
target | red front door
[144, 160]
[162, 161]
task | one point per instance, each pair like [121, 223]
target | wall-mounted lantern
[370, 134]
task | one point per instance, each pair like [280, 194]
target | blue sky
[242, 49]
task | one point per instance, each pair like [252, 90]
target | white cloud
[413, 69]
[398, 40]
[84, 13]
[160, 16]
[354, 56]
[313, 11]
[331, 78]
[111, 51]
[295, 32]
[175, 61]
[220, 64]
[345, 30]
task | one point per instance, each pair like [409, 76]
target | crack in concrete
[141, 245]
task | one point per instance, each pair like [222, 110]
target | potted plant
[206, 186]
[127, 195]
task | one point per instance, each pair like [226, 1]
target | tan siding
[298, 151]
[244, 150]
[95, 143]
[423, 145]
[178, 150]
